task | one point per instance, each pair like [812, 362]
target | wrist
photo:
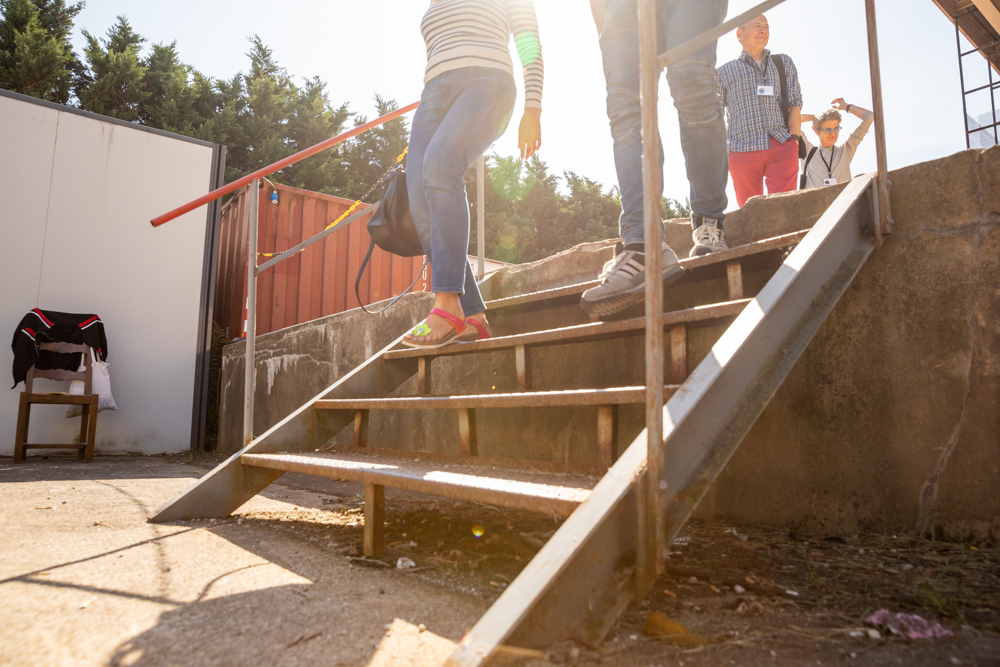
[848, 109]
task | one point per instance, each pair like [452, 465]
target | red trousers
[778, 166]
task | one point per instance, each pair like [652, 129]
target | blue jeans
[461, 113]
[696, 97]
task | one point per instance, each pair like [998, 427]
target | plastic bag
[101, 385]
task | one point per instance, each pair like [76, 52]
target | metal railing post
[481, 214]
[248, 378]
[884, 223]
[651, 505]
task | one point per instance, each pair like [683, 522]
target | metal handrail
[709, 36]
[279, 165]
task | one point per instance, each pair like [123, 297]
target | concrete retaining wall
[889, 422]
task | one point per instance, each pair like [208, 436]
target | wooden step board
[690, 264]
[534, 399]
[605, 400]
[549, 493]
[581, 333]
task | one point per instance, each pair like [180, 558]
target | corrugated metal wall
[319, 281]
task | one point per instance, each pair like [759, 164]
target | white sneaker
[708, 238]
[623, 281]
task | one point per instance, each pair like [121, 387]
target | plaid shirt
[753, 119]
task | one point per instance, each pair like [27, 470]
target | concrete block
[937, 194]
[578, 264]
[773, 215]
[989, 179]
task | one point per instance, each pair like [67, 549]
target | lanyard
[829, 165]
[767, 61]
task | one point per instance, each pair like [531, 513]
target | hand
[529, 133]
[839, 104]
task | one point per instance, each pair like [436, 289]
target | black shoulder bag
[780, 66]
[802, 178]
[391, 228]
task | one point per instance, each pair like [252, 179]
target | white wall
[76, 196]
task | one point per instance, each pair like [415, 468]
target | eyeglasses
[831, 130]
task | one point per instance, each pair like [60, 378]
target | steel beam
[222, 491]
[581, 580]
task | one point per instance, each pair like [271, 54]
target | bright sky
[360, 48]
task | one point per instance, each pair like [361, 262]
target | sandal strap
[483, 333]
[457, 323]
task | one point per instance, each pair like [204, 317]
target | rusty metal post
[884, 222]
[481, 216]
[248, 377]
[651, 511]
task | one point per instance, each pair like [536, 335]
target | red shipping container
[316, 282]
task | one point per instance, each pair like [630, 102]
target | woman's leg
[426, 120]
[481, 105]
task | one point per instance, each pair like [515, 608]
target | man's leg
[620, 50]
[747, 172]
[623, 279]
[781, 168]
[695, 91]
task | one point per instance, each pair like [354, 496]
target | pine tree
[35, 54]
[112, 83]
[313, 120]
[369, 155]
[269, 94]
[180, 99]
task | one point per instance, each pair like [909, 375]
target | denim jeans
[696, 97]
[461, 113]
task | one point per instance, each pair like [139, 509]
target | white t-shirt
[833, 165]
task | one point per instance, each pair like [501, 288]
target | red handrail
[281, 164]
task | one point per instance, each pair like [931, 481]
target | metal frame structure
[991, 86]
[253, 270]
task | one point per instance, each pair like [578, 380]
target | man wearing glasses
[828, 163]
[763, 141]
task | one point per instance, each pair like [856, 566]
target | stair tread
[689, 263]
[558, 493]
[563, 398]
[579, 333]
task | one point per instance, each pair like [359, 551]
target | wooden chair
[88, 421]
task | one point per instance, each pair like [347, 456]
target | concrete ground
[85, 580]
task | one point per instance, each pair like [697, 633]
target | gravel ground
[84, 580]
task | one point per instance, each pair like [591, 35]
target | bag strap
[802, 178]
[779, 65]
[357, 283]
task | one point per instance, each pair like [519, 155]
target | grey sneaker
[708, 238]
[623, 281]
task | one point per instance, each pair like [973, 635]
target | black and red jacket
[48, 326]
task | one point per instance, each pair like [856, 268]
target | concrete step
[636, 326]
[547, 492]
[699, 268]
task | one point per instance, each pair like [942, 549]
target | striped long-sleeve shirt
[476, 33]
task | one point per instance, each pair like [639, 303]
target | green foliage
[35, 54]
[528, 218]
[112, 81]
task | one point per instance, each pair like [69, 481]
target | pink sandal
[481, 332]
[424, 329]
